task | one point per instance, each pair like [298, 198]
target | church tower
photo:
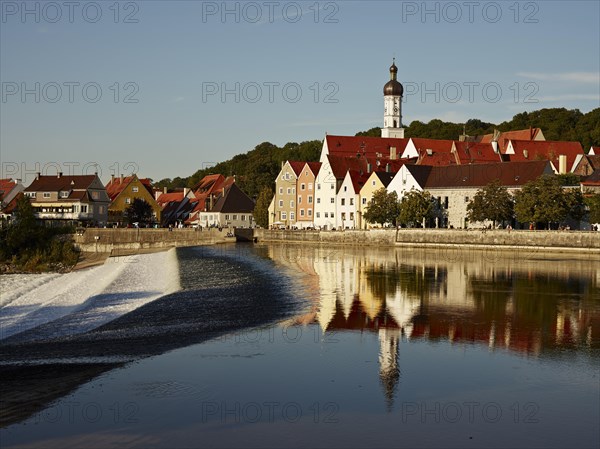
[392, 106]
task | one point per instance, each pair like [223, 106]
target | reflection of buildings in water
[389, 370]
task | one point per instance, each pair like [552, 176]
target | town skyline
[186, 89]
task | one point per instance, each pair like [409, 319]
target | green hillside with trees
[258, 168]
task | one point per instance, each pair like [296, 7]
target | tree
[492, 202]
[261, 209]
[593, 203]
[139, 211]
[415, 207]
[544, 200]
[383, 208]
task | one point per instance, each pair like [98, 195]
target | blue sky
[164, 88]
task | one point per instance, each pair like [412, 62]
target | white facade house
[347, 203]
[325, 195]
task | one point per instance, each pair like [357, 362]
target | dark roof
[419, 172]
[234, 201]
[478, 175]
[385, 177]
[314, 167]
[60, 183]
[297, 166]
[593, 179]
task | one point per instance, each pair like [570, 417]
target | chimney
[37, 176]
[369, 167]
[112, 179]
[393, 154]
[17, 181]
[164, 190]
[562, 164]
[223, 191]
[59, 174]
[387, 168]
[121, 178]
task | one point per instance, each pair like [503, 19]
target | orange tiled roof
[545, 150]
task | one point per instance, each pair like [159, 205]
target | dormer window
[95, 195]
[64, 194]
[46, 195]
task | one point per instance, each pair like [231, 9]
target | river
[314, 346]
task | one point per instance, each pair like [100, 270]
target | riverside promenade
[577, 242]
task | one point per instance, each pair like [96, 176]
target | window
[318, 201]
[281, 190]
[135, 189]
[326, 215]
[310, 199]
[84, 208]
[318, 214]
[100, 209]
[302, 212]
[466, 199]
[306, 173]
[64, 194]
[127, 200]
[284, 215]
[76, 208]
[310, 212]
[95, 195]
[373, 182]
[30, 194]
[318, 186]
[299, 200]
[235, 217]
[345, 188]
[343, 202]
[294, 190]
[243, 217]
[280, 203]
[289, 191]
[287, 176]
[343, 216]
[302, 186]
[364, 201]
[332, 186]
[352, 216]
[351, 201]
[227, 217]
[292, 216]
[332, 200]
[331, 215]
[310, 186]
[445, 202]
[292, 204]
[46, 194]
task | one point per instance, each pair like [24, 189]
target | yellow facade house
[123, 190]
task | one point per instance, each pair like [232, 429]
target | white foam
[80, 301]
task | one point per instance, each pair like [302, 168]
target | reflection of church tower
[389, 371]
[392, 104]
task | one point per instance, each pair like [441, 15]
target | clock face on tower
[395, 109]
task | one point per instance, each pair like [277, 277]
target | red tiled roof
[64, 183]
[6, 185]
[116, 185]
[314, 167]
[432, 158]
[358, 179]
[12, 205]
[545, 150]
[478, 175]
[522, 134]
[340, 165]
[166, 198]
[437, 145]
[476, 153]
[372, 147]
[593, 179]
[297, 166]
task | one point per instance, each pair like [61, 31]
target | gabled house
[306, 195]
[474, 153]
[233, 209]
[123, 190]
[348, 199]
[409, 177]
[206, 193]
[375, 181]
[285, 194]
[76, 199]
[417, 147]
[587, 164]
